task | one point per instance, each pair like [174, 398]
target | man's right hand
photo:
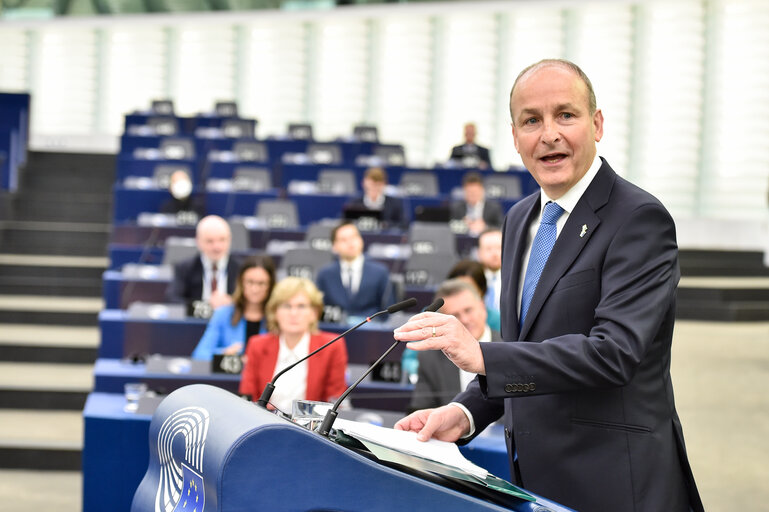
[447, 423]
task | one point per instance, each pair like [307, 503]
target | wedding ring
[434, 335]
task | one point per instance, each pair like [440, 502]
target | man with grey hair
[589, 277]
[439, 380]
[205, 281]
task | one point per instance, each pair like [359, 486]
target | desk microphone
[328, 420]
[270, 387]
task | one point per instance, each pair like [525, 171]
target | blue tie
[540, 251]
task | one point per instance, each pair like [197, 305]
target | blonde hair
[285, 290]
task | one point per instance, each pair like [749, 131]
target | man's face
[214, 241]
[553, 130]
[470, 133]
[474, 192]
[348, 243]
[468, 309]
[490, 250]
[373, 189]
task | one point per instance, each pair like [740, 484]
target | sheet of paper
[439, 451]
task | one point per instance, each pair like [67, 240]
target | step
[725, 299]
[695, 262]
[48, 440]
[63, 206]
[49, 344]
[51, 275]
[44, 385]
[57, 238]
[22, 490]
[48, 310]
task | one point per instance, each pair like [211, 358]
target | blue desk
[116, 452]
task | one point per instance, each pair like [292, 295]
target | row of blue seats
[14, 134]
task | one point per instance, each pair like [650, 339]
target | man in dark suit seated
[187, 206]
[374, 198]
[471, 154]
[475, 210]
[205, 282]
[353, 283]
[439, 380]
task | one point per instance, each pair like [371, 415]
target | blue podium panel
[209, 448]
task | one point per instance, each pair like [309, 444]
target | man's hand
[447, 423]
[436, 331]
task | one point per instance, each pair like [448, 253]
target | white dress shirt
[221, 276]
[356, 266]
[466, 377]
[293, 383]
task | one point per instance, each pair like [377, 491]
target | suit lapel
[575, 234]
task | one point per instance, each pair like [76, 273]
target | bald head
[213, 237]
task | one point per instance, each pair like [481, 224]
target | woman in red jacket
[292, 317]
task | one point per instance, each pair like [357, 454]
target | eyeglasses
[293, 307]
[251, 282]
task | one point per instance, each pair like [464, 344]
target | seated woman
[231, 325]
[292, 317]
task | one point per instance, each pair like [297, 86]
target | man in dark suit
[582, 378]
[439, 380]
[206, 281]
[353, 283]
[391, 213]
[471, 154]
[475, 210]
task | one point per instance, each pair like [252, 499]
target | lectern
[212, 451]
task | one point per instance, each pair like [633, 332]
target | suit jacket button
[509, 388]
[532, 386]
[507, 432]
[526, 387]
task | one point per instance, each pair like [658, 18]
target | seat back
[178, 249]
[431, 238]
[226, 108]
[278, 213]
[164, 125]
[318, 235]
[419, 183]
[304, 262]
[300, 131]
[391, 154]
[252, 179]
[501, 186]
[337, 181]
[162, 173]
[326, 153]
[238, 128]
[366, 133]
[177, 148]
[428, 269]
[250, 151]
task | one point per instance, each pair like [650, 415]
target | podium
[213, 451]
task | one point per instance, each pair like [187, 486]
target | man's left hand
[436, 331]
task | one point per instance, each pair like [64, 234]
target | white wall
[684, 85]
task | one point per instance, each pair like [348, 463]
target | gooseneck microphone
[328, 420]
[270, 387]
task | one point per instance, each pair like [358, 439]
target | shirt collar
[486, 336]
[221, 264]
[569, 200]
[356, 264]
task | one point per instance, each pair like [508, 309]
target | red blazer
[325, 370]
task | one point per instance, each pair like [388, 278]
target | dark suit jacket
[392, 211]
[492, 212]
[438, 379]
[585, 385]
[374, 293]
[187, 286]
[463, 150]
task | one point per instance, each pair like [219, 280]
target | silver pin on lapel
[584, 230]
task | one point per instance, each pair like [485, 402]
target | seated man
[374, 198]
[490, 256]
[356, 285]
[476, 212]
[205, 282]
[439, 379]
[471, 154]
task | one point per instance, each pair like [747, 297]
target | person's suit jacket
[584, 385]
[187, 285]
[392, 213]
[438, 380]
[492, 212]
[463, 150]
[325, 370]
[220, 333]
[374, 293]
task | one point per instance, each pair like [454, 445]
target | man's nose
[550, 132]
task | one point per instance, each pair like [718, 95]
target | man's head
[470, 133]
[180, 185]
[555, 123]
[461, 299]
[490, 249]
[472, 188]
[374, 182]
[346, 241]
[213, 237]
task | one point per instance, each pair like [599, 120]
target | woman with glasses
[292, 318]
[230, 326]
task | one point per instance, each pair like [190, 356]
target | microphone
[328, 420]
[270, 387]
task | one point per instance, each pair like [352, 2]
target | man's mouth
[553, 158]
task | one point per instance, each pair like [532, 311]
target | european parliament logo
[181, 440]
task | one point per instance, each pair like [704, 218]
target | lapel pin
[584, 230]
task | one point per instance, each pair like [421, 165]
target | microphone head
[435, 306]
[400, 306]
